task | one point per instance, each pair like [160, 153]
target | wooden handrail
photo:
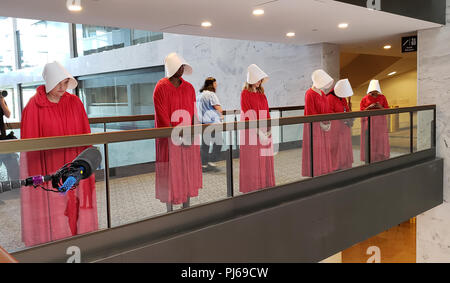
[24, 145]
[5, 257]
[151, 117]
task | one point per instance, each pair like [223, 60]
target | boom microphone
[81, 168]
[70, 174]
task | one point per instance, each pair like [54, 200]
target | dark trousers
[204, 149]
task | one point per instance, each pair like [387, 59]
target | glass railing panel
[256, 156]
[399, 134]
[379, 139]
[425, 129]
[214, 150]
[31, 216]
[288, 154]
[132, 181]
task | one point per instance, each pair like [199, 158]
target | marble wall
[433, 227]
[289, 66]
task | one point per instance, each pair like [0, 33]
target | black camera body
[4, 93]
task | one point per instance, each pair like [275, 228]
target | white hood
[343, 88]
[374, 85]
[173, 62]
[321, 80]
[255, 74]
[54, 73]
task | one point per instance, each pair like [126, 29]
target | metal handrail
[34, 144]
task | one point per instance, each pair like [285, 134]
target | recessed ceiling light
[343, 25]
[258, 12]
[74, 5]
[387, 47]
[206, 24]
[393, 73]
[290, 34]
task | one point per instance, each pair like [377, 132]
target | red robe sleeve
[162, 115]
[331, 103]
[310, 107]
[247, 111]
[385, 102]
[29, 126]
[363, 105]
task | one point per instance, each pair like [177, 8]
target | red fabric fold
[341, 141]
[256, 166]
[316, 104]
[178, 167]
[48, 216]
[379, 135]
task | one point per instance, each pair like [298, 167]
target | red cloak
[316, 104]
[379, 136]
[49, 216]
[256, 153]
[178, 167]
[341, 142]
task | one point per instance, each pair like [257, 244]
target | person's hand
[264, 137]
[325, 126]
[349, 122]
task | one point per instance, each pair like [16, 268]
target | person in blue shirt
[209, 112]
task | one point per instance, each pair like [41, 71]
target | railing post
[281, 128]
[411, 132]
[433, 128]
[368, 141]
[108, 196]
[229, 164]
[311, 150]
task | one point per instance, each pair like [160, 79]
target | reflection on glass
[46, 213]
[40, 42]
[6, 45]
[379, 139]
[341, 146]
[28, 92]
[120, 94]
[399, 134]
[12, 102]
[288, 150]
[96, 39]
[425, 129]
[321, 145]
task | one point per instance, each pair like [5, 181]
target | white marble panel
[433, 232]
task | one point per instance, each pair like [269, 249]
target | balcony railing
[418, 137]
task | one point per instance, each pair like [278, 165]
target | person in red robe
[256, 148]
[341, 142]
[316, 103]
[379, 136]
[178, 162]
[49, 216]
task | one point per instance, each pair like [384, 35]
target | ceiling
[313, 21]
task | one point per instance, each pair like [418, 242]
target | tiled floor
[133, 198]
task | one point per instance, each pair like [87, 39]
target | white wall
[433, 227]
